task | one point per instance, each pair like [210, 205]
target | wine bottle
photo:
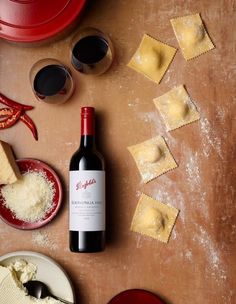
[87, 191]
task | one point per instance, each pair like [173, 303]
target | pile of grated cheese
[30, 198]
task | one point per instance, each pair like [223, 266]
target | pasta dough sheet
[152, 58]
[191, 35]
[152, 158]
[176, 108]
[154, 218]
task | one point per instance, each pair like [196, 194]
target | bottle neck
[87, 131]
[87, 142]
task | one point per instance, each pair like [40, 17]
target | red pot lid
[36, 20]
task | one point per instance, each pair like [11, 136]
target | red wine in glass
[51, 81]
[92, 52]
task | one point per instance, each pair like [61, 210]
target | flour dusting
[149, 117]
[210, 140]
[221, 114]
[173, 234]
[188, 254]
[193, 175]
[193, 172]
[133, 103]
[155, 123]
[139, 239]
[167, 78]
[215, 265]
[171, 197]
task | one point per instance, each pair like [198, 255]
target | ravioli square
[176, 108]
[154, 218]
[152, 58]
[152, 158]
[191, 35]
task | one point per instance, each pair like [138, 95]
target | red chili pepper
[13, 104]
[10, 120]
[15, 112]
[30, 124]
[6, 112]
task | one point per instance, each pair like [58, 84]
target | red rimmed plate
[137, 296]
[26, 165]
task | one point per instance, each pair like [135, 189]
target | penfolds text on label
[83, 185]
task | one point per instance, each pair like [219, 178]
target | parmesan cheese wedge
[9, 171]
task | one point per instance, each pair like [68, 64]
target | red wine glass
[91, 51]
[51, 81]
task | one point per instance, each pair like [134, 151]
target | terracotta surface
[198, 264]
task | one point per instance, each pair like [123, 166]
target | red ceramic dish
[26, 165]
[36, 20]
[136, 296]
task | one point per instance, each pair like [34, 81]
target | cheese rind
[9, 171]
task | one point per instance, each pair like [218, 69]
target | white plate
[48, 271]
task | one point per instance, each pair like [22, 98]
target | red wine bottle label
[87, 201]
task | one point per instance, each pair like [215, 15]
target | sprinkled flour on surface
[139, 239]
[209, 139]
[188, 254]
[31, 197]
[152, 118]
[170, 196]
[195, 181]
[214, 267]
[220, 113]
[193, 172]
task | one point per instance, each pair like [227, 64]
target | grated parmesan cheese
[30, 198]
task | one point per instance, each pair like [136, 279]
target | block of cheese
[9, 171]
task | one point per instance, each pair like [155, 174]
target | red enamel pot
[32, 22]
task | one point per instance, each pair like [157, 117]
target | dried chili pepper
[14, 112]
[30, 124]
[13, 104]
[6, 112]
[10, 120]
